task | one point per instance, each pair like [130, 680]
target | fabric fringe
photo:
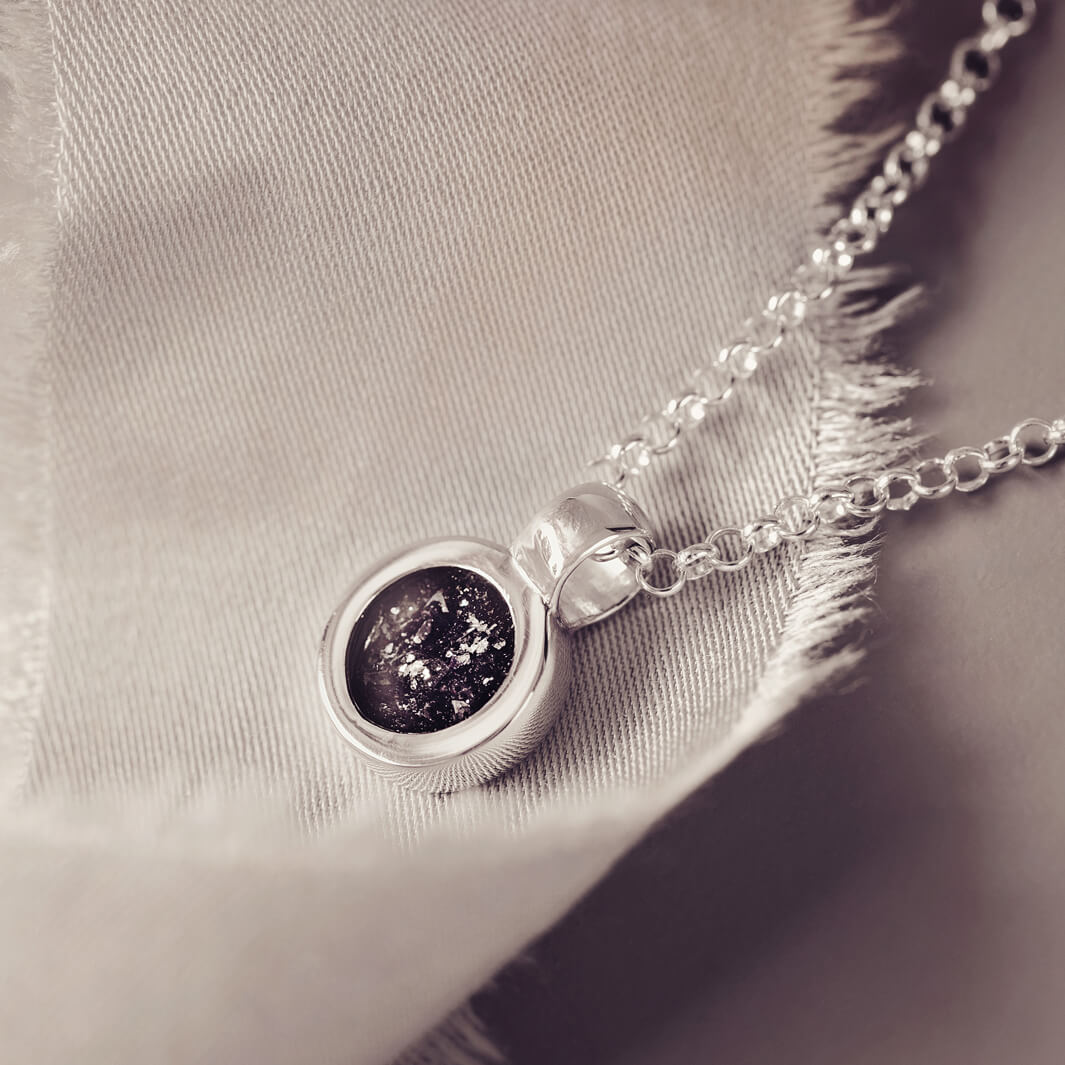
[27, 239]
[858, 387]
[460, 1040]
[855, 435]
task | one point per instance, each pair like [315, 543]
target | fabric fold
[332, 279]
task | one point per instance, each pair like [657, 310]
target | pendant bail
[575, 553]
[446, 663]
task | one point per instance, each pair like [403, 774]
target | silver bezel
[498, 735]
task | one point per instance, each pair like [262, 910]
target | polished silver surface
[570, 566]
[575, 553]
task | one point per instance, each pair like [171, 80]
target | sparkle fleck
[431, 650]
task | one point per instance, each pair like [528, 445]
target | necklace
[447, 663]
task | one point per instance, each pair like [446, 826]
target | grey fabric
[336, 278]
[329, 278]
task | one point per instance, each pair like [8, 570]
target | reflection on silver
[570, 566]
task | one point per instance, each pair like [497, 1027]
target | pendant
[446, 664]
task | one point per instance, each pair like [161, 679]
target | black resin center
[430, 650]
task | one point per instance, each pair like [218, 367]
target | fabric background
[883, 882]
[354, 298]
[325, 279]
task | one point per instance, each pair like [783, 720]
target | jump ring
[1002, 454]
[854, 237]
[972, 66]
[830, 505]
[643, 574]
[1048, 448]
[636, 453]
[960, 454]
[805, 519]
[724, 563]
[898, 475]
[934, 491]
[697, 561]
[763, 534]
[873, 506]
[669, 430]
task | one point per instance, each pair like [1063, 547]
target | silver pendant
[445, 665]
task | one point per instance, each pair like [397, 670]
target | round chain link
[852, 510]
[974, 457]
[945, 483]
[738, 559]
[974, 65]
[1036, 447]
[645, 567]
[898, 477]
[1003, 454]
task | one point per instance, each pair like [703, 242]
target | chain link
[850, 510]
[974, 65]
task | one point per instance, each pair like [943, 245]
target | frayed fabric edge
[853, 435]
[461, 1039]
[28, 144]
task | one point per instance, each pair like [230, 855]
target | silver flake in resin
[430, 650]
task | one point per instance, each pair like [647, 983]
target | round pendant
[446, 664]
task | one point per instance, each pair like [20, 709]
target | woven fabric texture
[329, 278]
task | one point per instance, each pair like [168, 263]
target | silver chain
[852, 509]
[855, 507]
[974, 66]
